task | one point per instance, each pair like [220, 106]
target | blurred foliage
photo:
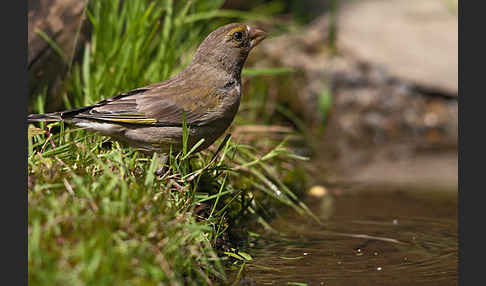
[301, 11]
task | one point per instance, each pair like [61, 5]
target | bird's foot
[162, 168]
[160, 171]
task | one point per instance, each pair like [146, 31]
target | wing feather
[158, 104]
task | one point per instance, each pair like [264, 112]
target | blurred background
[367, 89]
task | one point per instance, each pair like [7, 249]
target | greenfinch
[207, 93]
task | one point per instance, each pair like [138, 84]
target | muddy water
[368, 238]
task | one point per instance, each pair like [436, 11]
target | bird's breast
[230, 103]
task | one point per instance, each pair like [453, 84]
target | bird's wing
[160, 104]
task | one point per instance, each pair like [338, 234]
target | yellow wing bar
[132, 120]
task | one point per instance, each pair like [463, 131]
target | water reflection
[370, 238]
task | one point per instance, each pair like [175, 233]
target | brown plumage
[207, 91]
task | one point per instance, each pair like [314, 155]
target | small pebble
[317, 191]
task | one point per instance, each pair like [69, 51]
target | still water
[367, 238]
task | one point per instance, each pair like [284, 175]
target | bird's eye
[238, 36]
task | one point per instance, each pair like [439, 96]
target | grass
[97, 214]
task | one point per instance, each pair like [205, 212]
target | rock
[60, 20]
[414, 40]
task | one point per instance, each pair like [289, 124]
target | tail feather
[48, 117]
[57, 116]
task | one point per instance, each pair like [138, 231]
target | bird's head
[228, 46]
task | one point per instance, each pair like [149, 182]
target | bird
[206, 94]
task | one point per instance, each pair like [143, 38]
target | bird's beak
[256, 36]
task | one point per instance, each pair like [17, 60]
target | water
[368, 238]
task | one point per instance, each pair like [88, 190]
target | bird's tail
[47, 117]
[66, 115]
